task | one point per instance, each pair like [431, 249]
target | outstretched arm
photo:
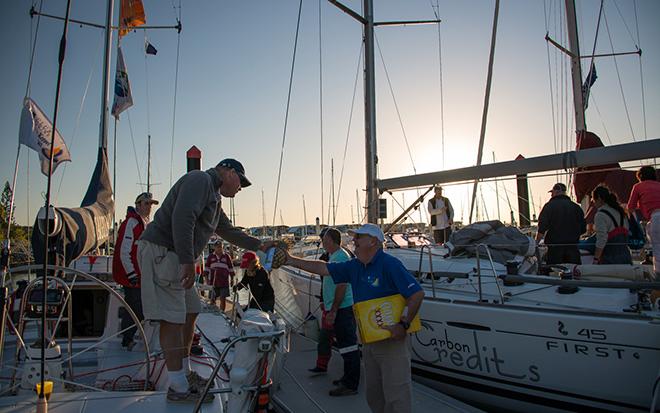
[314, 266]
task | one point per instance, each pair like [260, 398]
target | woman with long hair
[645, 196]
[612, 226]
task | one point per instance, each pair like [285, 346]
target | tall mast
[149, 163]
[105, 95]
[576, 71]
[370, 113]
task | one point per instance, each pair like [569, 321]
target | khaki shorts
[163, 297]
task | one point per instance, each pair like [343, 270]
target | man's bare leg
[172, 343]
[188, 332]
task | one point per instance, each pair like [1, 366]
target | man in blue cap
[167, 252]
[374, 274]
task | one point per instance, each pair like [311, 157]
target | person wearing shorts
[167, 252]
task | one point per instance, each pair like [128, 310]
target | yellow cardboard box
[372, 315]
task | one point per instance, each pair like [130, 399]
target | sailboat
[60, 331]
[515, 342]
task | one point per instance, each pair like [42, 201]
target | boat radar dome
[50, 225]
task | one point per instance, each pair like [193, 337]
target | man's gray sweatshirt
[190, 214]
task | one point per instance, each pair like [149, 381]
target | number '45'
[593, 334]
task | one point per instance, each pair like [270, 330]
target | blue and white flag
[588, 82]
[123, 97]
[35, 132]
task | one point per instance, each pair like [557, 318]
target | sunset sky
[235, 63]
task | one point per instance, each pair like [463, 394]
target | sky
[233, 80]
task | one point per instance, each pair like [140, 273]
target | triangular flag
[150, 49]
[35, 132]
[131, 15]
[588, 82]
[123, 97]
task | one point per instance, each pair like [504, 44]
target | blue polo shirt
[385, 275]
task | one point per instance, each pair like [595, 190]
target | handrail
[492, 266]
[421, 255]
[110, 290]
[225, 351]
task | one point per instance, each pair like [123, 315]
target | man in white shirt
[442, 216]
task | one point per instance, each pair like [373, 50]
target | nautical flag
[131, 15]
[35, 132]
[123, 97]
[149, 48]
[588, 82]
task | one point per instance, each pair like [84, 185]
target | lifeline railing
[492, 266]
[266, 347]
[432, 275]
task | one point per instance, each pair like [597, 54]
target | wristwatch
[405, 324]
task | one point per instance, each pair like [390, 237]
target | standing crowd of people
[562, 222]
[154, 263]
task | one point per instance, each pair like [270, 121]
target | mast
[149, 163]
[105, 96]
[370, 113]
[370, 152]
[576, 71]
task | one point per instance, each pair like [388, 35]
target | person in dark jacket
[561, 222]
[125, 269]
[256, 279]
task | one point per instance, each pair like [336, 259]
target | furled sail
[77, 231]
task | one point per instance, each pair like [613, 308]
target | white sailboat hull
[541, 350]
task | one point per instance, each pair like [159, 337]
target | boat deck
[298, 391]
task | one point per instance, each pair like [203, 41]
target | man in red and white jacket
[219, 268]
[125, 270]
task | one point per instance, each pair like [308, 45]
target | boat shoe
[198, 382]
[190, 396]
[342, 390]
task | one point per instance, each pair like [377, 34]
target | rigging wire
[552, 99]
[641, 73]
[130, 127]
[436, 12]
[321, 100]
[350, 121]
[618, 74]
[74, 134]
[176, 84]
[396, 105]
[34, 48]
[286, 116]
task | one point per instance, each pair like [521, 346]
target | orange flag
[131, 15]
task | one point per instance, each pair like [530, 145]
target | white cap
[369, 229]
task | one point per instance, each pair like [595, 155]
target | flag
[149, 48]
[35, 132]
[588, 82]
[123, 97]
[131, 15]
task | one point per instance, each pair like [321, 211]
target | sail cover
[86, 228]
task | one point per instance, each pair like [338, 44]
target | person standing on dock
[375, 274]
[167, 252]
[645, 195]
[442, 216]
[220, 270]
[125, 268]
[338, 321]
[561, 222]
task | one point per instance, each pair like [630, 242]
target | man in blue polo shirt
[375, 274]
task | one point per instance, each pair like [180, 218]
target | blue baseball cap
[238, 167]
